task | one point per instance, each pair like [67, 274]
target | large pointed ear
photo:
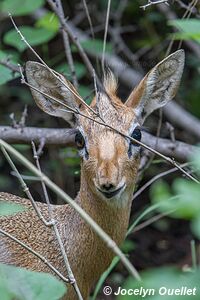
[158, 87]
[42, 79]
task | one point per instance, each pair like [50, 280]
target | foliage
[19, 283]
[20, 7]
[38, 37]
[9, 208]
[166, 277]
[188, 29]
[183, 199]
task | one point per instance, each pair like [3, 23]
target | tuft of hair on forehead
[110, 82]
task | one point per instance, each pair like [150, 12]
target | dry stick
[55, 74]
[73, 38]
[152, 220]
[105, 36]
[9, 65]
[42, 258]
[52, 222]
[183, 17]
[89, 18]
[55, 228]
[187, 7]
[67, 48]
[188, 14]
[168, 159]
[25, 189]
[148, 183]
[98, 230]
[79, 47]
[154, 3]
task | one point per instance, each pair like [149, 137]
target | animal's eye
[79, 140]
[136, 134]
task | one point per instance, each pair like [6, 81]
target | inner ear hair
[159, 85]
[40, 77]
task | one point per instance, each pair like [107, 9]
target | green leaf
[6, 75]
[127, 246]
[19, 283]
[188, 204]
[10, 208]
[189, 29]
[96, 46]
[156, 281]
[20, 7]
[35, 36]
[49, 21]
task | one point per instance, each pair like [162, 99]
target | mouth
[113, 193]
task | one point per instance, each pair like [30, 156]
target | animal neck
[113, 219]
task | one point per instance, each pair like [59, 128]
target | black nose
[107, 186]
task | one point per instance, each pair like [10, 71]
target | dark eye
[136, 134]
[79, 140]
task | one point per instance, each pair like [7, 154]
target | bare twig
[22, 121]
[152, 220]
[26, 189]
[42, 258]
[152, 180]
[9, 65]
[193, 10]
[150, 2]
[67, 47]
[181, 118]
[105, 36]
[67, 28]
[55, 228]
[89, 18]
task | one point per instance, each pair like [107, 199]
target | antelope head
[109, 161]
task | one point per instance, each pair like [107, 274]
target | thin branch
[89, 18]
[26, 189]
[55, 228]
[150, 2]
[74, 39]
[152, 220]
[152, 180]
[9, 65]
[67, 47]
[182, 118]
[105, 36]
[42, 258]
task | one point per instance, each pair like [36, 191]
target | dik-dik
[109, 164]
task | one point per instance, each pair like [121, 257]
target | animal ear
[42, 79]
[158, 87]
